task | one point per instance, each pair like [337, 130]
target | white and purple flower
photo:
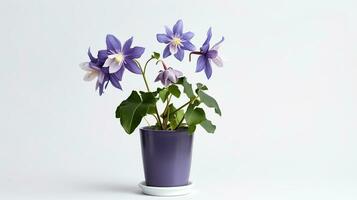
[176, 41]
[168, 75]
[94, 69]
[119, 57]
[208, 55]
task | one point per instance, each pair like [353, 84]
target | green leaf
[175, 118]
[209, 101]
[200, 86]
[155, 55]
[163, 94]
[174, 90]
[191, 128]
[194, 116]
[187, 87]
[208, 126]
[134, 108]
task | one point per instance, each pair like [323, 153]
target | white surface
[166, 191]
[287, 92]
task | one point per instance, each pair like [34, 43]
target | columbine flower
[95, 69]
[176, 41]
[168, 75]
[208, 55]
[119, 56]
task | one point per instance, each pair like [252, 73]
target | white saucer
[166, 191]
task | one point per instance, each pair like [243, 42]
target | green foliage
[200, 86]
[139, 104]
[191, 128]
[155, 55]
[187, 87]
[174, 90]
[208, 126]
[209, 101]
[134, 108]
[175, 117]
[163, 94]
[194, 116]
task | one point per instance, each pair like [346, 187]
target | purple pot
[166, 156]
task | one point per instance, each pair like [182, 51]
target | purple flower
[119, 57]
[176, 41]
[94, 69]
[207, 55]
[168, 76]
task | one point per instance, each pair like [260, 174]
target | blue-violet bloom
[94, 69]
[119, 57]
[207, 55]
[176, 41]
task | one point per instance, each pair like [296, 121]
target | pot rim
[152, 129]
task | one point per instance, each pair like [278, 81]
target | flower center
[176, 41]
[119, 58]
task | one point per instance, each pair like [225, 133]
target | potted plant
[167, 144]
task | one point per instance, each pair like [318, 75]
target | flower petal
[177, 29]
[180, 54]
[135, 52]
[91, 57]
[108, 62]
[208, 69]
[187, 45]
[132, 66]
[112, 56]
[205, 45]
[201, 63]
[166, 52]
[169, 32]
[173, 48]
[171, 76]
[102, 56]
[114, 67]
[90, 76]
[115, 82]
[119, 73]
[217, 45]
[188, 35]
[101, 88]
[218, 61]
[177, 73]
[212, 54]
[165, 81]
[101, 77]
[159, 76]
[85, 66]
[113, 44]
[127, 44]
[163, 38]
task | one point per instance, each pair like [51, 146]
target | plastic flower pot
[166, 156]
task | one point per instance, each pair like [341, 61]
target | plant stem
[183, 117]
[166, 112]
[184, 105]
[148, 89]
[194, 52]
[178, 125]
[147, 121]
[146, 64]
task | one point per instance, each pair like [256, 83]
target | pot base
[166, 191]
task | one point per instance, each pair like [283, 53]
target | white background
[287, 92]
